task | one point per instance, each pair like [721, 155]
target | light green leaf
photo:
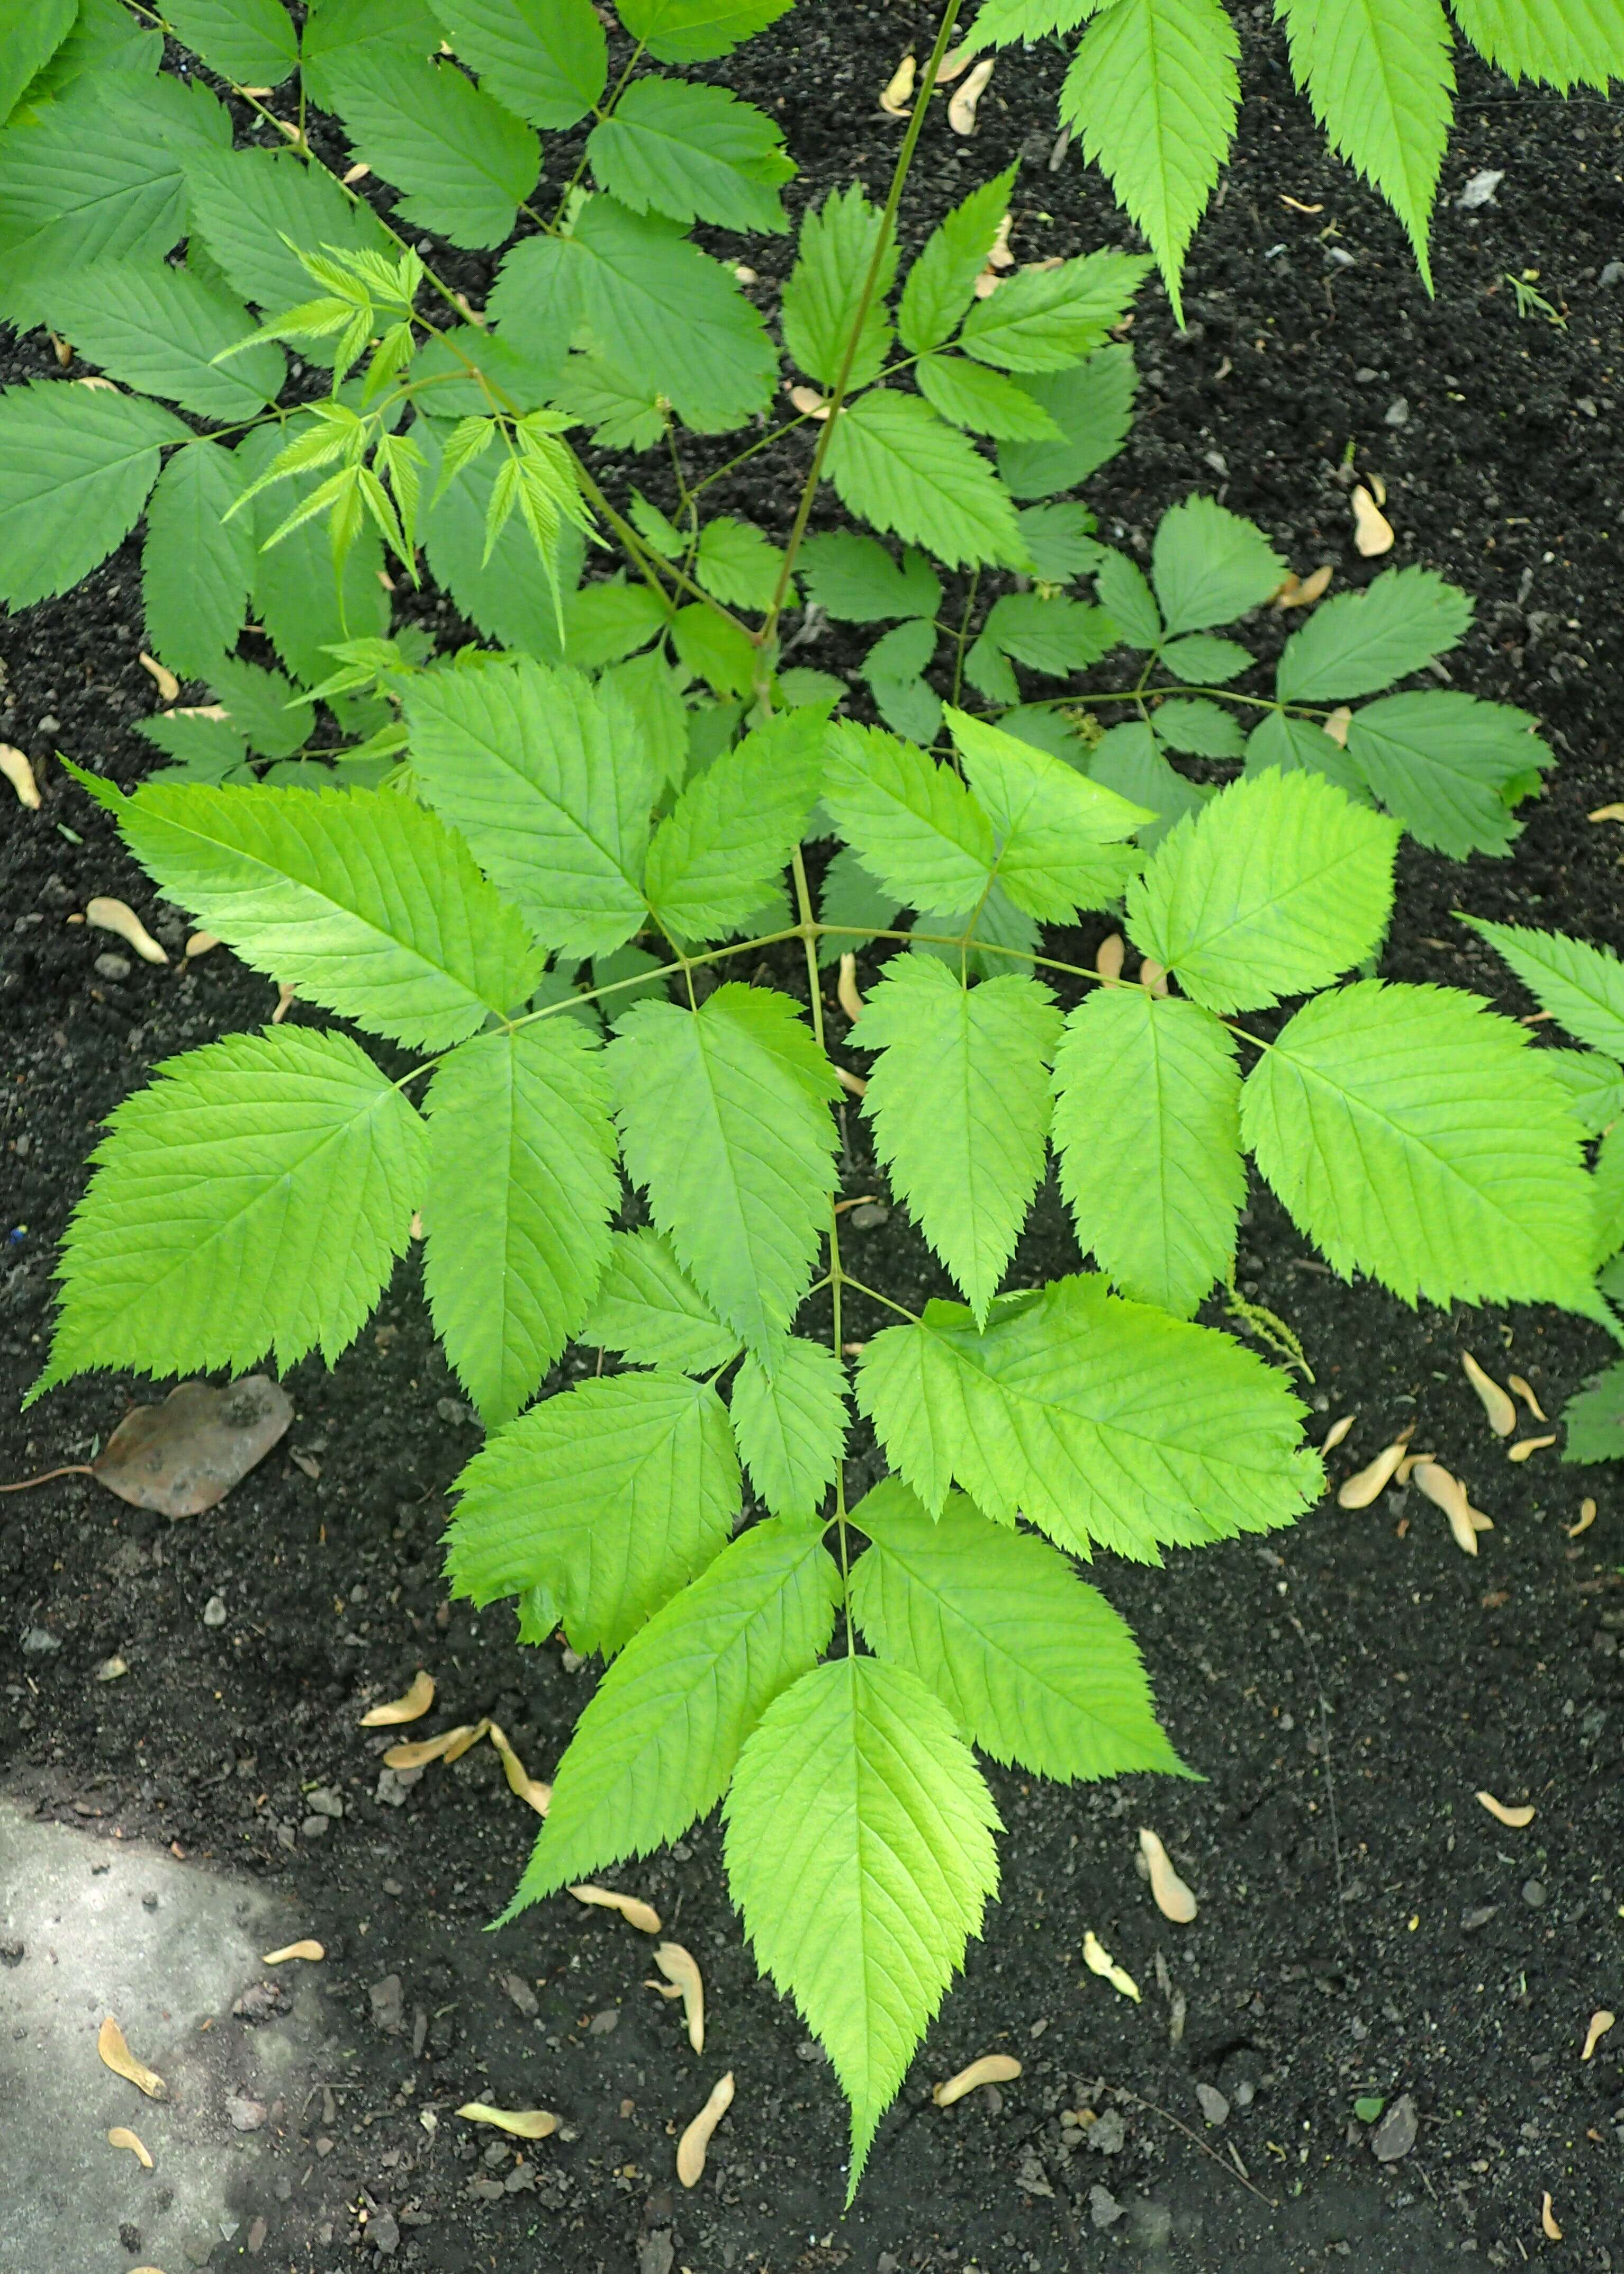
[340, 32]
[856, 580]
[791, 1424]
[896, 464]
[740, 565]
[659, 307]
[656, 1744]
[859, 1850]
[911, 823]
[608, 621]
[1357, 643]
[694, 152]
[837, 244]
[1055, 636]
[718, 853]
[1381, 76]
[1278, 885]
[1128, 600]
[1413, 1135]
[516, 1217]
[1046, 320]
[1203, 661]
[1153, 92]
[1098, 1421]
[1582, 986]
[464, 164]
[651, 692]
[1607, 1200]
[76, 466]
[1200, 729]
[302, 603]
[1035, 1666]
[1147, 1129]
[1093, 406]
[1210, 566]
[894, 668]
[649, 1310]
[1000, 23]
[1061, 541]
[1560, 41]
[1594, 1420]
[35, 31]
[205, 749]
[245, 203]
[197, 567]
[1594, 1085]
[548, 782]
[612, 1496]
[998, 923]
[983, 401]
[694, 31]
[251, 41]
[252, 1199]
[710, 648]
[1441, 763]
[1290, 745]
[546, 59]
[1062, 847]
[159, 328]
[989, 670]
[941, 284]
[508, 594]
[1129, 759]
[359, 898]
[959, 1101]
[260, 704]
[536, 304]
[725, 1121]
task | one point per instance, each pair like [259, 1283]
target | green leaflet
[661, 308]
[725, 1120]
[1097, 1419]
[548, 779]
[197, 567]
[1442, 761]
[1153, 91]
[251, 41]
[464, 164]
[75, 469]
[656, 1744]
[694, 152]
[252, 1199]
[1129, 759]
[1210, 566]
[959, 1101]
[1289, 744]
[1381, 76]
[717, 855]
[1093, 406]
[242, 204]
[651, 692]
[859, 1850]
[1200, 729]
[1046, 320]
[546, 59]
[1128, 600]
[34, 32]
[710, 648]
[159, 329]
[694, 31]
[102, 38]
[911, 822]
[612, 1496]
[894, 668]
[894, 462]
[1356, 642]
[850, 897]
[206, 749]
[606, 622]
[1562, 42]
[340, 33]
[1061, 541]
[515, 1215]
[509, 594]
[1594, 1086]
[1147, 1129]
[1278, 885]
[941, 284]
[1582, 986]
[296, 592]
[359, 898]
[261, 705]
[1204, 661]
[855, 578]
[791, 1424]
[1000, 23]
[1035, 1666]
[1061, 833]
[740, 566]
[1608, 1194]
[1057, 636]
[649, 1310]
[821, 298]
[1413, 1135]
[1594, 1420]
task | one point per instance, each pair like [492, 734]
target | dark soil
[1365, 1927]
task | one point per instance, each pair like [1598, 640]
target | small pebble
[1103, 2208]
[51, 724]
[114, 966]
[214, 1611]
[39, 1641]
[1533, 1893]
[314, 1827]
[869, 1217]
[1612, 274]
[324, 1802]
[1214, 2107]
[1395, 2136]
[1397, 412]
[247, 2115]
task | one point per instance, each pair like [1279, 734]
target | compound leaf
[245, 204]
[464, 164]
[695, 31]
[1413, 1135]
[911, 823]
[515, 1218]
[251, 41]
[76, 466]
[1046, 319]
[1033, 1664]
[894, 462]
[546, 59]
[791, 1424]
[1147, 1129]
[253, 1198]
[610, 1495]
[959, 1100]
[718, 854]
[941, 284]
[694, 152]
[656, 1744]
[860, 1849]
[197, 567]
[1441, 761]
[1210, 566]
[649, 1310]
[1276, 886]
[837, 244]
[1060, 834]
[1582, 986]
[1357, 643]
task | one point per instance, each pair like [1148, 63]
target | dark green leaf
[694, 152]
[197, 567]
[76, 466]
[1093, 406]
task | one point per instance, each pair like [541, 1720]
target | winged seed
[1173, 1899]
[1516, 1818]
[409, 1707]
[18, 770]
[1601, 2021]
[1371, 1481]
[1501, 1412]
[681, 1968]
[1587, 1516]
[118, 916]
[1335, 1435]
[992, 2069]
[1373, 531]
[1524, 1446]
[962, 107]
[121, 2136]
[523, 2123]
[1447, 1492]
[1524, 1390]
[311, 1951]
[691, 2147]
[117, 2055]
[896, 97]
[635, 1912]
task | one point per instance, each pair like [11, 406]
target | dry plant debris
[1336, 725]
[117, 2055]
[411, 1705]
[121, 2136]
[1447, 1492]
[184, 1456]
[846, 989]
[680, 1969]
[808, 402]
[692, 2146]
[528, 1789]
[1099, 1960]
[450, 1745]
[17, 768]
[1373, 531]
[1108, 957]
[1524, 1446]
[199, 943]
[1173, 1899]
[1335, 1435]
[1516, 1818]
[1525, 1391]
[163, 678]
[310, 1950]
[1601, 2021]
[1547, 2218]
[1369, 1482]
[118, 916]
[632, 1908]
[896, 98]
[962, 104]
[1303, 591]
[523, 2123]
[1606, 813]
[1501, 1412]
[1587, 1516]
[992, 2069]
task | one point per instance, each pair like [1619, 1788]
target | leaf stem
[874, 1296]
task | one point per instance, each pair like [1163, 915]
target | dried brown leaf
[117, 2055]
[632, 1908]
[1517, 1818]
[411, 1706]
[1587, 1516]
[1173, 1899]
[184, 1456]
[450, 1745]
[681, 1968]
[1373, 531]
[1501, 1412]
[992, 2069]
[17, 768]
[523, 2123]
[1369, 1482]
[530, 1790]
[1335, 1435]
[1447, 1492]
[118, 916]
[309, 1950]
[691, 2147]
[962, 103]
[1525, 1391]
[1525, 1446]
[121, 2136]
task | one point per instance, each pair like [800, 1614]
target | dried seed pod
[692, 2146]
[1601, 2021]
[1524, 1446]
[411, 1706]
[17, 768]
[1516, 1818]
[528, 1789]
[1099, 1960]
[450, 1745]
[121, 2136]
[199, 943]
[1373, 531]
[680, 1969]
[896, 97]
[1587, 1516]
[118, 916]
[523, 2123]
[846, 989]
[163, 678]
[117, 2055]
[1525, 1391]
[1108, 957]
[1449, 1494]
[962, 107]
[1335, 1435]
[1173, 1899]
[992, 2069]
[632, 1908]
[1501, 1412]
[1336, 725]
[1369, 1482]
[309, 1950]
